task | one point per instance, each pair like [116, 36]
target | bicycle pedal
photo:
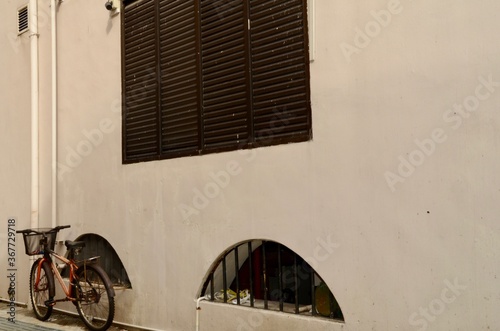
[50, 303]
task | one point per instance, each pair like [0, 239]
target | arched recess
[269, 275]
[95, 245]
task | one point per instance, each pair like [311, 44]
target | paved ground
[26, 321]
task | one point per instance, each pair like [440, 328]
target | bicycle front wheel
[95, 297]
[42, 289]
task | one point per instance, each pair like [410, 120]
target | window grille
[96, 245]
[268, 275]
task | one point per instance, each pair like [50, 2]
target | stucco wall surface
[394, 202]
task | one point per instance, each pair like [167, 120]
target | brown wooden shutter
[203, 76]
[179, 78]
[280, 71]
[224, 74]
[141, 120]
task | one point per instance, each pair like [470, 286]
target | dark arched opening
[95, 245]
[268, 275]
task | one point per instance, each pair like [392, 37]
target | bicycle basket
[32, 241]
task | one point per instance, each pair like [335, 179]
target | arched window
[95, 245]
[268, 275]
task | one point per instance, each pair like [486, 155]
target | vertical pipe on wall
[33, 23]
[53, 13]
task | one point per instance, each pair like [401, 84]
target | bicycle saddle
[74, 244]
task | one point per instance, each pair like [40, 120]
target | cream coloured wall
[15, 138]
[411, 228]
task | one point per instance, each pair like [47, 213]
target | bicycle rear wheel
[41, 291]
[95, 297]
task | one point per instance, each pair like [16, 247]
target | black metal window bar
[268, 275]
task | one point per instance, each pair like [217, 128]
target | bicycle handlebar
[56, 229]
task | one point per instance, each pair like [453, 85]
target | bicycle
[89, 289]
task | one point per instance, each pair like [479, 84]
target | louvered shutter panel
[141, 120]
[280, 74]
[179, 78]
[203, 76]
[224, 74]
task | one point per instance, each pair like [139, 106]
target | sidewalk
[26, 321]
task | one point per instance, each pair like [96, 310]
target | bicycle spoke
[40, 293]
[94, 304]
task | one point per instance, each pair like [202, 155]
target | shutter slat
[278, 55]
[278, 90]
[140, 134]
[264, 8]
[225, 83]
[180, 106]
[280, 80]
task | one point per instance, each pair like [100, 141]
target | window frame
[266, 136]
[264, 273]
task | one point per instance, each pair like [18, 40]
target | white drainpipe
[53, 13]
[33, 23]
[198, 308]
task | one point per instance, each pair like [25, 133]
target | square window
[204, 76]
